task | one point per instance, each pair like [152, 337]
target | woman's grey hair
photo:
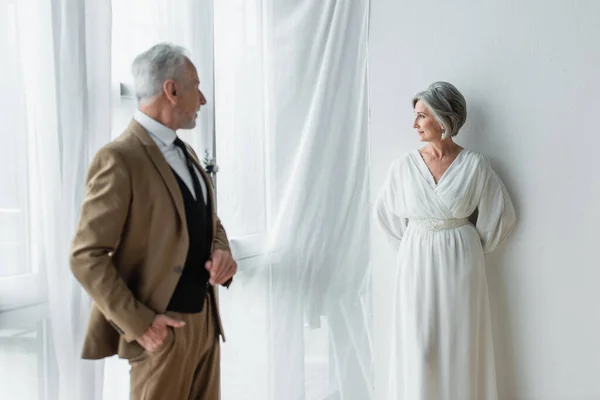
[156, 65]
[447, 104]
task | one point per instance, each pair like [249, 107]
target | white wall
[530, 71]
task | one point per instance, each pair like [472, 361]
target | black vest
[191, 290]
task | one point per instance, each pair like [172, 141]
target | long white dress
[442, 342]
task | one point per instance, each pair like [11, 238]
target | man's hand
[221, 267]
[157, 333]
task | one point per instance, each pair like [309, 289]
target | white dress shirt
[165, 140]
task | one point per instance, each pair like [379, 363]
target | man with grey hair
[149, 248]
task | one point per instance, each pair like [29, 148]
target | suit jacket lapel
[161, 165]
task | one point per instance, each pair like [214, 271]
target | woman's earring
[444, 134]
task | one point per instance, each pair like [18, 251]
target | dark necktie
[197, 188]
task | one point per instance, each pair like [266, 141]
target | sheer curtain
[26, 87]
[292, 147]
[62, 87]
[82, 38]
[83, 104]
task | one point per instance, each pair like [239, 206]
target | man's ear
[170, 91]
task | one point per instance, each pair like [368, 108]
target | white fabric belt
[431, 224]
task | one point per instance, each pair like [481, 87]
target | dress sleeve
[496, 218]
[386, 209]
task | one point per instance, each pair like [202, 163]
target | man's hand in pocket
[156, 334]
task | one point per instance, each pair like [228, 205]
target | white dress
[442, 342]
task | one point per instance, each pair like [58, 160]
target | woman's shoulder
[400, 161]
[478, 163]
[476, 157]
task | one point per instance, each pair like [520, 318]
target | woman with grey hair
[442, 342]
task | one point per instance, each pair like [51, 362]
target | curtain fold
[298, 316]
[64, 100]
[81, 32]
[64, 78]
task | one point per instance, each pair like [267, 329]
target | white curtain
[26, 124]
[62, 88]
[81, 35]
[292, 147]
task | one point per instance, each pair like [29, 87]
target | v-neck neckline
[419, 156]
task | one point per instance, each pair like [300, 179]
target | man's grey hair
[153, 67]
[447, 104]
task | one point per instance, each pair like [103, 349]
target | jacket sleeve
[103, 215]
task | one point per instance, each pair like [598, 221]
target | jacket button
[178, 269]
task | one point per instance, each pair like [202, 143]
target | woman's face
[425, 123]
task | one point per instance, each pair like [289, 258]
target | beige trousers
[186, 366]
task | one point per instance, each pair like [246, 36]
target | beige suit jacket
[131, 242]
